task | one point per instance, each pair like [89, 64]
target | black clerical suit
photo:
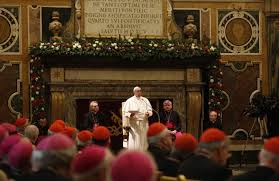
[275, 177]
[94, 119]
[202, 168]
[172, 117]
[165, 163]
[217, 124]
[44, 175]
[260, 174]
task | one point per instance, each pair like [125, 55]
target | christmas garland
[38, 102]
[125, 48]
[216, 98]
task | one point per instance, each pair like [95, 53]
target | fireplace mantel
[84, 77]
[117, 62]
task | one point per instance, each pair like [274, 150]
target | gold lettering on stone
[123, 17]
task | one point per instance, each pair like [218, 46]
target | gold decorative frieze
[10, 29]
[57, 74]
[239, 31]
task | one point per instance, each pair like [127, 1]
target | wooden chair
[161, 177]
[178, 178]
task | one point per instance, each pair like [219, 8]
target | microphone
[157, 113]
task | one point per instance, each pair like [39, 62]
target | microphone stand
[157, 113]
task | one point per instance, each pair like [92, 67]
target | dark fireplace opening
[112, 109]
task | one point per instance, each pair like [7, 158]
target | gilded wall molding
[239, 31]
[243, 66]
[10, 34]
[6, 64]
[78, 18]
[194, 109]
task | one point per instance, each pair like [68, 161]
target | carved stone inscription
[123, 17]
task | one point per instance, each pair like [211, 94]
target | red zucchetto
[272, 145]
[212, 135]
[186, 143]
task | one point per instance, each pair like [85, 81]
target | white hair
[214, 145]
[31, 132]
[52, 158]
[266, 156]
[105, 164]
[92, 102]
[136, 88]
[167, 101]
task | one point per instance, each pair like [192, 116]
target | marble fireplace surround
[72, 79]
[184, 86]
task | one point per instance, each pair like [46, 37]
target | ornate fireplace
[75, 78]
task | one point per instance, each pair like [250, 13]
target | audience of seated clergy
[21, 124]
[133, 165]
[211, 156]
[55, 157]
[268, 163]
[184, 147]
[31, 132]
[160, 147]
[101, 136]
[92, 163]
[52, 158]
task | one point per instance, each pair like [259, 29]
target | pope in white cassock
[137, 109]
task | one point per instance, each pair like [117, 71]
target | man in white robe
[137, 109]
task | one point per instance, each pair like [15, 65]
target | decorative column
[194, 100]
[57, 93]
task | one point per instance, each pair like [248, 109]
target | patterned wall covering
[240, 81]
[10, 94]
[9, 29]
[239, 32]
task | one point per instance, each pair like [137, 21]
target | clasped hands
[134, 114]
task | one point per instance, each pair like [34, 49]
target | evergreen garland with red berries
[127, 48]
[216, 98]
[38, 102]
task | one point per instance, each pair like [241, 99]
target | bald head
[137, 91]
[31, 132]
